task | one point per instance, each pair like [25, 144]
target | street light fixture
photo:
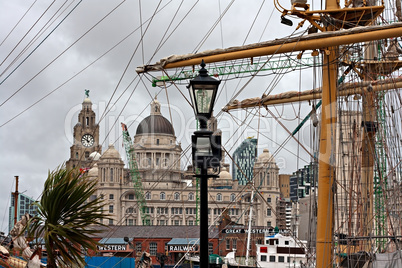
[206, 148]
[203, 89]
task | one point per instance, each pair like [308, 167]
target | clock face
[87, 140]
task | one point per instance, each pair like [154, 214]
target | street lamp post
[206, 148]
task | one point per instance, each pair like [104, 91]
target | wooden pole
[326, 161]
[16, 200]
[289, 47]
[326, 158]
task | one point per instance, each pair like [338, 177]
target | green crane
[255, 66]
[135, 177]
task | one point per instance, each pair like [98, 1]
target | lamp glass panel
[203, 98]
[203, 146]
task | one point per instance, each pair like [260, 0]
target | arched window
[162, 196]
[148, 196]
[130, 210]
[76, 155]
[232, 197]
[111, 175]
[176, 196]
[219, 197]
[191, 196]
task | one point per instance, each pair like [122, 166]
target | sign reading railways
[112, 247]
[183, 248]
[243, 231]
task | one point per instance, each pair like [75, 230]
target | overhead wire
[36, 37]
[57, 57]
[15, 26]
[75, 75]
[19, 42]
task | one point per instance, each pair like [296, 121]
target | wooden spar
[16, 200]
[323, 40]
[348, 90]
[326, 160]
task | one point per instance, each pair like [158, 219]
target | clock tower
[86, 137]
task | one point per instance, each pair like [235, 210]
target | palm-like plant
[67, 216]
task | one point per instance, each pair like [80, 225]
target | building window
[210, 248]
[269, 224]
[191, 197]
[157, 141]
[272, 259]
[234, 242]
[176, 196]
[76, 155]
[153, 247]
[269, 199]
[177, 211]
[263, 258]
[232, 197]
[219, 197]
[111, 174]
[176, 222]
[130, 222]
[111, 196]
[130, 210]
[87, 121]
[190, 222]
[148, 196]
[131, 197]
[138, 247]
[286, 242]
[162, 210]
[191, 211]
[227, 244]
[86, 154]
[268, 212]
[111, 209]
[281, 259]
[162, 222]
[110, 221]
[162, 196]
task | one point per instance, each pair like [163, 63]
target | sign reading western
[183, 248]
[112, 247]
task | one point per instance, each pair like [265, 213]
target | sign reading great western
[243, 231]
[183, 248]
[113, 247]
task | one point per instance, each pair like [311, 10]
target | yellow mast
[326, 158]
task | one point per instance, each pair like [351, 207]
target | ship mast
[326, 159]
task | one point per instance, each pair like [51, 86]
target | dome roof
[155, 124]
[93, 172]
[111, 152]
[94, 156]
[225, 175]
[87, 100]
[266, 157]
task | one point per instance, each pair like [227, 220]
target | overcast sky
[49, 56]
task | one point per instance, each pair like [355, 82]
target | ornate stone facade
[171, 193]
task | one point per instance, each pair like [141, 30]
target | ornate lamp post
[206, 148]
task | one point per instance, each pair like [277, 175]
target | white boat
[278, 251]
[281, 251]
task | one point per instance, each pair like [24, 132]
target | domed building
[170, 195]
[155, 148]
